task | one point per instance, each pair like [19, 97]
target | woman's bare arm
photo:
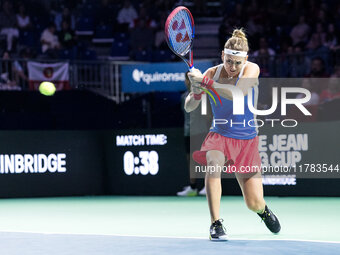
[190, 102]
[248, 80]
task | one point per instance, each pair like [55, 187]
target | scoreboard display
[147, 162]
[144, 162]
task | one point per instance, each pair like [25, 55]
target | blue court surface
[164, 225]
[29, 243]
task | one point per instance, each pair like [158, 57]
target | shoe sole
[220, 239]
[279, 229]
[276, 233]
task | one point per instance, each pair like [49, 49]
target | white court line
[170, 237]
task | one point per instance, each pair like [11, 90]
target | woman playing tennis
[235, 144]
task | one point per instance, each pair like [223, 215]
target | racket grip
[191, 61]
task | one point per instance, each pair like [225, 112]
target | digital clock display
[145, 163]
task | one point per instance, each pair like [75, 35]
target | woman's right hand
[194, 84]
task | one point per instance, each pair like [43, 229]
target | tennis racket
[180, 33]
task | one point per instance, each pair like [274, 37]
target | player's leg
[215, 159]
[252, 190]
[213, 187]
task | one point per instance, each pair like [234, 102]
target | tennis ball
[47, 88]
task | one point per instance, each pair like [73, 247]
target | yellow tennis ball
[47, 88]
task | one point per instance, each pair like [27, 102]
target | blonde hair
[238, 41]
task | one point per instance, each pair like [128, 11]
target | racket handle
[191, 61]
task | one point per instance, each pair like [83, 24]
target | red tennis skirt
[242, 154]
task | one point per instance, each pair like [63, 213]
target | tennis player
[228, 144]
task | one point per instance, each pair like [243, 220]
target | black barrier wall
[143, 162]
[51, 163]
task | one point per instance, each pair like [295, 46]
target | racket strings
[181, 47]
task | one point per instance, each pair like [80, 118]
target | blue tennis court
[164, 225]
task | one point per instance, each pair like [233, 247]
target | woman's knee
[215, 162]
[215, 158]
[255, 204]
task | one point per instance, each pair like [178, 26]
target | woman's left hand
[195, 77]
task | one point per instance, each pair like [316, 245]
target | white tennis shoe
[187, 192]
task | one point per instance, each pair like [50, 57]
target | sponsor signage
[31, 164]
[157, 76]
[50, 163]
